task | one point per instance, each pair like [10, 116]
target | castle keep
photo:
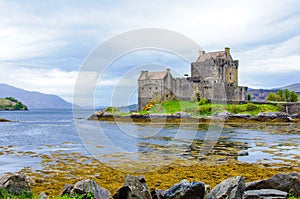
[214, 76]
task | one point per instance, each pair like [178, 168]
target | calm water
[48, 131]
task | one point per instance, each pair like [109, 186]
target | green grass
[196, 108]
[30, 195]
[23, 195]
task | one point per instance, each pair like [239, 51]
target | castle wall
[214, 76]
[202, 70]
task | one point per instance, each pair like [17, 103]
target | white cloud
[50, 81]
[263, 35]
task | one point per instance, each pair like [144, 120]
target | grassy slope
[196, 108]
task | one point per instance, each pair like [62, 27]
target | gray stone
[231, 188]
[242, 115]
[14, 184]
[273, 115]
[289, 183]
[66, 190]
[90, 186]
[133, 188]
[42, 195]
[185, 190]
[265, 193]
[243, 153]
[268, 114]
[182, 114]
[157, 194]
[222, 114]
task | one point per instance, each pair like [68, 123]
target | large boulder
[265, 193]
[185, 190]
[230, 188]
[133, 188]
[66, 190]
[14, 184]
[84, 187]
[289, 183]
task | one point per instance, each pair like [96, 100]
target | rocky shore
[279, 186]
[4, 120]
[183, 117]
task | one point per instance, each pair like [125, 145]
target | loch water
[40, 132]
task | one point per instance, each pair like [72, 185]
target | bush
[251, 107]
[112, 109]
[203, 101]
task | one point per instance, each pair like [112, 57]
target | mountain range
[33, 99]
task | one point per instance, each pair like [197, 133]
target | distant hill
[11, 104]
[292, 87]
[260, 95]
[34, 100]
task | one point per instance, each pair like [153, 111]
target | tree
[272, 97]
[286, 95]
[280, 96]
[283, 96]
[294, 96]
[249, 97]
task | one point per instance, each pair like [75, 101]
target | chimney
[168, 71]
[227, 52]
[201, 52]
[145, 73]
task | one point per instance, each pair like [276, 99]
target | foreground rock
[289, 183]
[84, 187]
[133, 188]
[265, 193]
[14, 184]
[185, 190]
[233, 187]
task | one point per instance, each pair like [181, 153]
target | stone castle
[214, 76]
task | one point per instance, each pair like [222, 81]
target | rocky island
[11, 104]
[202, 111]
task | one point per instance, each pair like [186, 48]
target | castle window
[230, 76]
[167, 95]
[150, 88]
[156, 88]
[142, 88]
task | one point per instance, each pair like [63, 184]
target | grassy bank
[203, 108]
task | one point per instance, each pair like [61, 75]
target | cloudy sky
[43, 44]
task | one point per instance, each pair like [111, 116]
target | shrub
[203, 101]
[112, 109]
[251, 107]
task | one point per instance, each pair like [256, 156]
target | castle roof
[153, 75]
[208, 55]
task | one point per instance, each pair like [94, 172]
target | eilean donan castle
[214, 76]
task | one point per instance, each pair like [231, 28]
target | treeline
[283, 96]
[10, 103]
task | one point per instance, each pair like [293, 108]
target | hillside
[260, 95]
[11, 104]
[292, 87]
[34, 100]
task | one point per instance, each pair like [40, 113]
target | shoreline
[52, 181]
[172, 119]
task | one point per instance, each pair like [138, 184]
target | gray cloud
[42, 37]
